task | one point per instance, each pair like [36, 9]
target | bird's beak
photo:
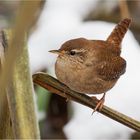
[55, 51]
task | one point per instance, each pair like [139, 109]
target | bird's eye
[72, 52]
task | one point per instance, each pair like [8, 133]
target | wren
[92, 66]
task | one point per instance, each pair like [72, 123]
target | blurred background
[59, 21]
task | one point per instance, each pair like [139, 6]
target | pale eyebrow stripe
[76, 50]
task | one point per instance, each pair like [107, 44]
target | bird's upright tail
[119, 31]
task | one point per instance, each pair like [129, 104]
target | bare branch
[55, 86]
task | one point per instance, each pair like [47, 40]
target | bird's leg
[100, 103]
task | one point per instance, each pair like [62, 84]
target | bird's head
[74, 50]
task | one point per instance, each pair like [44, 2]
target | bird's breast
[81, 79]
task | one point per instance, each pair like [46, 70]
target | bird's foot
[100, 104]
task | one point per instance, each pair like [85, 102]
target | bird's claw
[100, 104]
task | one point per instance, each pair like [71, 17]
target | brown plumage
[92, 66]
[118, 33]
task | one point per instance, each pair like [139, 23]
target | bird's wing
[111, 70]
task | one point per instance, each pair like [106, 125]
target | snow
[56, 25]
[61, 21]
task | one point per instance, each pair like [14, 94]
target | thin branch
[55, 86]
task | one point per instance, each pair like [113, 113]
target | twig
[55, 86]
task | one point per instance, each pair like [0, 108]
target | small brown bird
[92, 66]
